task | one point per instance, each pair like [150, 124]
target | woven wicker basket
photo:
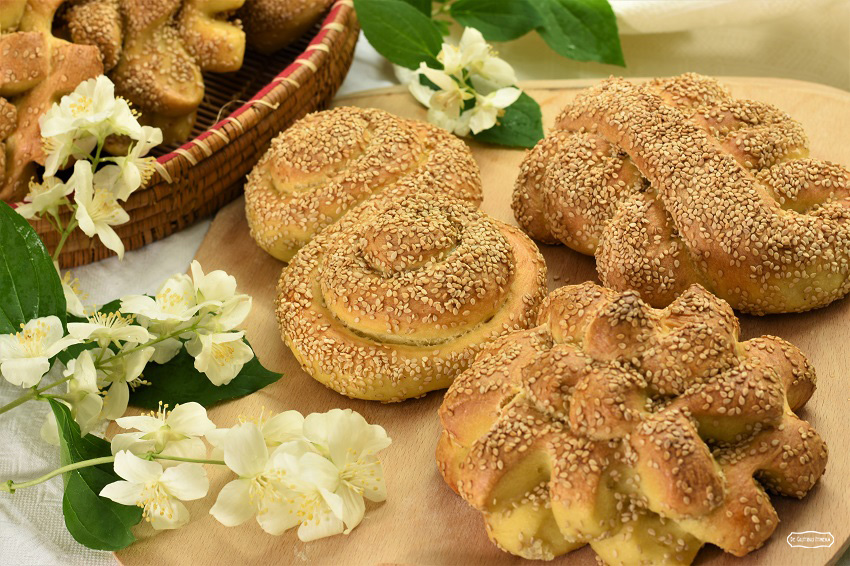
[199, 177]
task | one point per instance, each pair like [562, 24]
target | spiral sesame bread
[36, 70]
[274, 24]
[395, 299]
[329, 162]
[644, 433]
[674, 182]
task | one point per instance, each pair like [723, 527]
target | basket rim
[264, 102]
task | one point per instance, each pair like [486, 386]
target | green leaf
[497, 20]
[93, 521]
[400, 32]
[584, 30]
[423, 6]
[179, 382]
[29, 285]
[521, 125]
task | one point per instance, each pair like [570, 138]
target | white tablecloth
[811, 44]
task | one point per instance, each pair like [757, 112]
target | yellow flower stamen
[31, 340]
[223, 353]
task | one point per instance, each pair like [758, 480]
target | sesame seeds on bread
[645, 433]
[329, 162]
[274, 24]
[395, 299]
[674, 182]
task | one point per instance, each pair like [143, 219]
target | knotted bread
[675, 182]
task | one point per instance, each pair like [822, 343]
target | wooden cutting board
[423, 521]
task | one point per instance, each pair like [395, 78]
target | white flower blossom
[44, 197]
[259, 490]
[487, 72]
[471, 49]
[315, 506]
[58, 148]
[128, 173]
[176, 432]
[316, 478]
[222, 309]
[445, 106]
[82, 397]
[220, 356]
[488, 108]
[119, 372]
[276, 430]
[83, 393]
[173, 307]
[173, 304]
[471, 70]
[97, 208]
[92, 109]
[72, 292]
[351, 444]
[107, 328]
[158, 491]
[25, 356]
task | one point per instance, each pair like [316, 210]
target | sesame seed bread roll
[674, 182]
[329, 162]
[274, 24]
[645, 433]
[395, 299]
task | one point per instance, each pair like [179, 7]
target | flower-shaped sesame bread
[645, 433]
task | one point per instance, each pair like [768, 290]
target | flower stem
[191, 460]
[32, 394]
[64, 237]
[162, 338]
[11, 486]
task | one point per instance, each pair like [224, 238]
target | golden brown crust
[215, 43]
[396, 298]
[8, 123]
[329, 162]
[274, 24]
[674, 182]
[644, 433]
[98, 23]
[155, 51]
[36, 70]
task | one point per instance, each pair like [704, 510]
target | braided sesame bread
[329, 162]
[274, 24]
[644, 433]
[395, 299]
[674, 182]
[36, 70]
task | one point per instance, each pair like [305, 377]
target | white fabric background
[801, 39]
